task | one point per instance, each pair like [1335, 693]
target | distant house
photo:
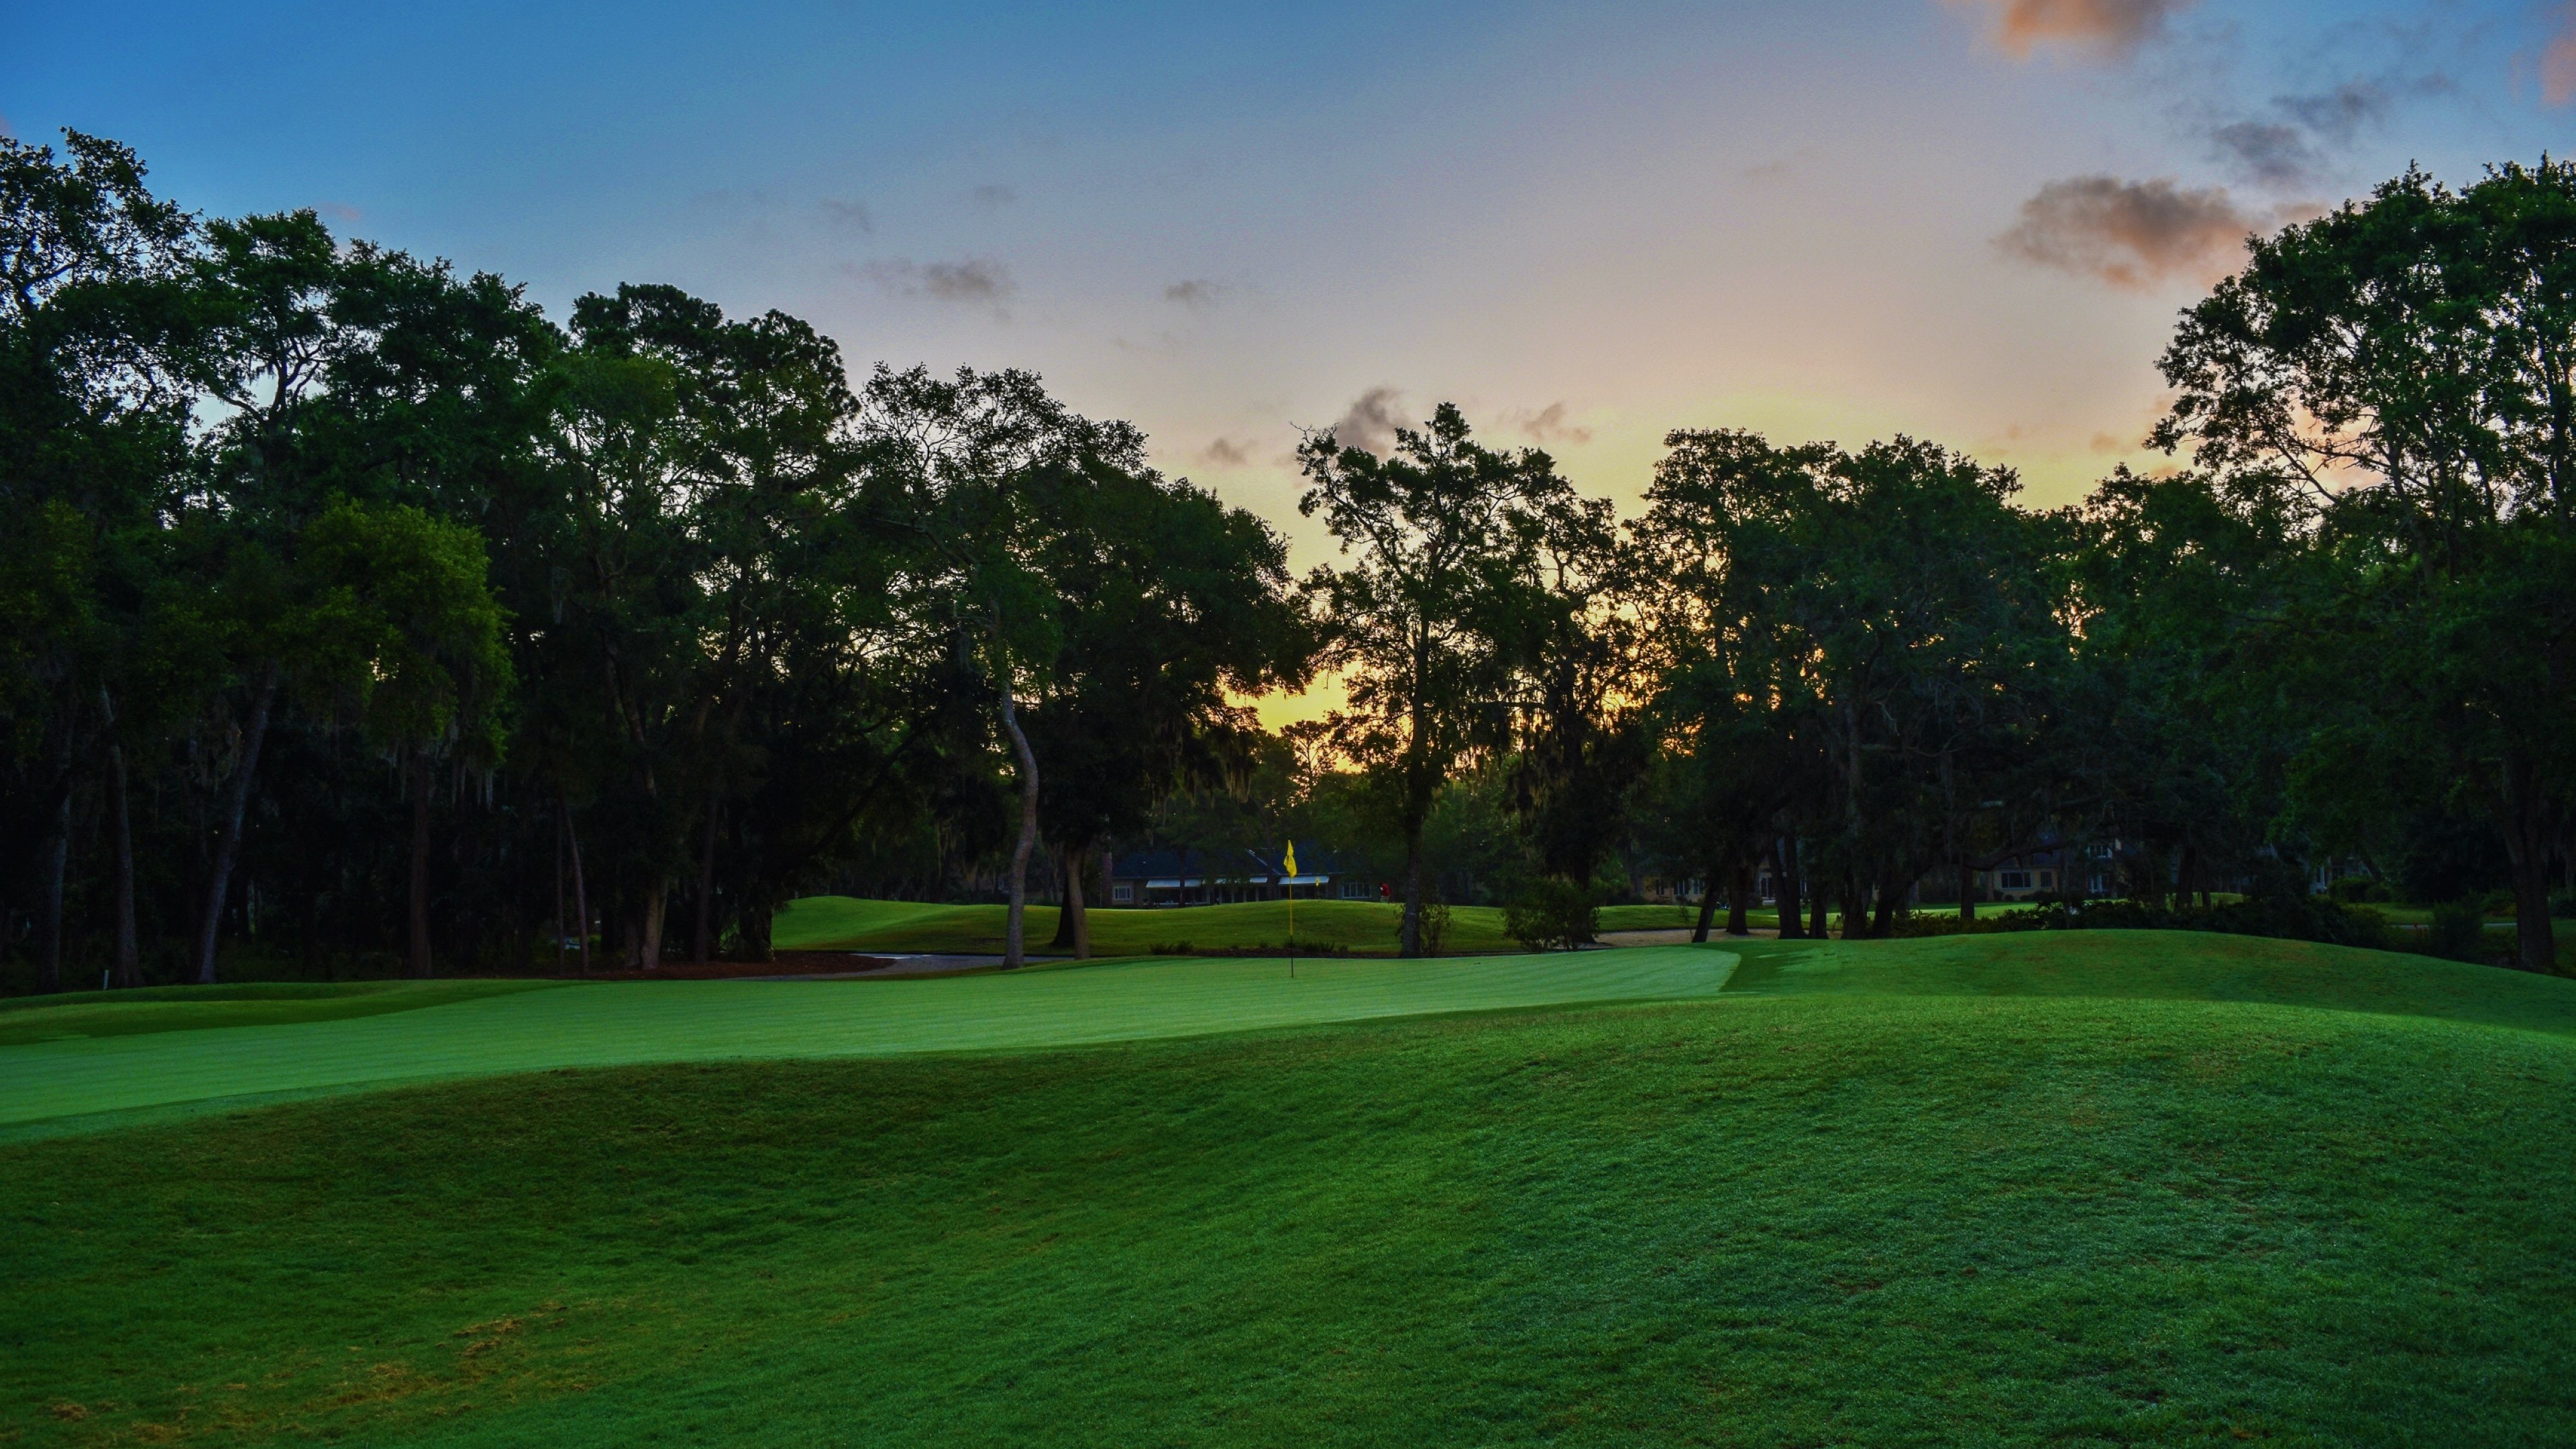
[1214, 877]
[2049, 869]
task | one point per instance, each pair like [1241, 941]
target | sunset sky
[1970, 220]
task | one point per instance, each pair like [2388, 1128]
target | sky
[1971, 221]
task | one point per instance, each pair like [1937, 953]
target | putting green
[105, 1079]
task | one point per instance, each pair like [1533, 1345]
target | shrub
[2293, 916]
[2459, 931]
[2361, 889]
[1552, 915]
[2563, 905]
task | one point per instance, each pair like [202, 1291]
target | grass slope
[845, 923]
[2059, 1191]
[603, 1024]
[2169, 965]
[82, 1014]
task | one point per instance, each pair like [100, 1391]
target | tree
[2393, 378]
[419, 642]
[982, 472]
[1873, 638]
[698, 453]
[1420, 623]
[1574, 642]
[1171, 605]
[91, 424]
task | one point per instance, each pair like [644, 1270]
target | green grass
[84, 1014]
[603, 1024]
[2082, 1189]
[845, 923]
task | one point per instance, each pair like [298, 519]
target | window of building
[2016, 880]
[1122, 893]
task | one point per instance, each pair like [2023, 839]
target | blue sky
[1971, 220]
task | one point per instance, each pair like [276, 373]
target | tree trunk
[580, 887]
[219, 880]
[2524, 816]
[559, 892]
[647, 938]
[1408, 936]
[1015, 942]
[702, 934]
[1855, 907]
[1707, 904]
[1738, 897]
[1784, 895]
[1820, 922]
[1891, 897]
[418, 958]
[1068, 862]
[1967, 890]
[127, 963]
[1073, 909]
[57, 858]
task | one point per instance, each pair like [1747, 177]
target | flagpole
[1290, 881]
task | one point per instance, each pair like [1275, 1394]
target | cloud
[2303, 134]
[2558, 61]
[1227, 453]
[2339, 115]
[852, 214]
[1194, 292]
[2108, 28]
[2267, 152]
[1548, 425]
[1371, 422]
[340, 211]
[994, 195]
[2132, 234]
[976, 279]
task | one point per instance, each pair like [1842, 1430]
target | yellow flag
[1291, 861]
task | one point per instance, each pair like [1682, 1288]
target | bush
[1552, 915]
[2293, 916]
[2360, 889]
[1435, 927]
[2459, 931]
[2563, 905]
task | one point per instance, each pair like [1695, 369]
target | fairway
[844, 923]
[459, 1030]
[2076, 1189]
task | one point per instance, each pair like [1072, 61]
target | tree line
[359, 609]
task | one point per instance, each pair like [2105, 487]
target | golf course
[841, 923]
[2047, 1188]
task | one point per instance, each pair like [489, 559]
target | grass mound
[2078, 1190]
[84, 1014]
[2165, 965]
[846, 923]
